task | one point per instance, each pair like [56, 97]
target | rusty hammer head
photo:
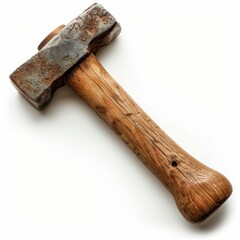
[39, 77]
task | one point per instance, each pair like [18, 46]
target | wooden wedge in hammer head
[66, 56]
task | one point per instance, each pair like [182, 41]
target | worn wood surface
[197, 189]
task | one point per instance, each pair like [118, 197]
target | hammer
[66, 56]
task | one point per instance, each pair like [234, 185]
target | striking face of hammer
[39, 77]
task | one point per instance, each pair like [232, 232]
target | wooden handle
[197, 189]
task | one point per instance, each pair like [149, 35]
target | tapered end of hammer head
[39, 77]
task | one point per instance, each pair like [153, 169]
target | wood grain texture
[197, 189]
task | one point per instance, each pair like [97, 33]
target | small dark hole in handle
[174, 163]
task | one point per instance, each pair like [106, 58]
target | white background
[65, 175]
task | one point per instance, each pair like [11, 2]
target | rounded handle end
[200, 197]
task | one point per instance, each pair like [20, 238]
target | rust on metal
[39, 77]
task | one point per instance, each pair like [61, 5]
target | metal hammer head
[39, 77]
